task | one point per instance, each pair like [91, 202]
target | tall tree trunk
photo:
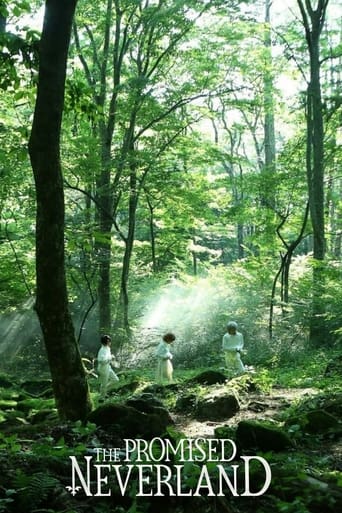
[105, 219]
[313, 21]
[67, 371]
[106, 186]
[269, 131]
[121, 326]
[152, 235]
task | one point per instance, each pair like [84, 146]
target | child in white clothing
[164, 355]
[232, 344]
[104, 369]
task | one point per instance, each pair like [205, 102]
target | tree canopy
[200, 143]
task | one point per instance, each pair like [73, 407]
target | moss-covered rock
[186, 403]
[255, 435]
[217, 407]
[315, 422]
[150, 406]
[209, 377]
[132, 386]
[224, 432]
[145, 402]
[130, 422]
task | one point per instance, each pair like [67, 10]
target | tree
[127, 74]
[67, 371]
[313, 20]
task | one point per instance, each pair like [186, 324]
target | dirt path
[253, 406]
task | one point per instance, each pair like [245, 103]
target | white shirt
[232, 342]
[104, 356]
[163, 350]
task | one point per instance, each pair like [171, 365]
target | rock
[320, 421]
[129, 421]
[160, 388]
[257, 406]
[226, 432]
[254, 435]
[144, 402]
[217, 408]
[318, 415]
[334, 366]
[150, 398]
[209, 377]
[127, 387]
[151, 406]
[185, 403]
[332, 404]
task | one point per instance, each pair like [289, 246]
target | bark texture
[67, 371]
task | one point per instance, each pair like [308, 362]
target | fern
[34, 489]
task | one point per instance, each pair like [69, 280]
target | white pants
[233, 362]
[106, 374]
[164, 370]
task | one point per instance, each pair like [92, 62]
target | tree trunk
[152, 235]
[121, 326]
[67, 371]
[269, 131]
[313, 23]
[104, 198]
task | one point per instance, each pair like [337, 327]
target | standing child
[232, 343]
[104, 369]
[163, 353]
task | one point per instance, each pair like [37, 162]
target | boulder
[209, 377]
[255, 435]
[225, 431]
[217, 407]
[319, 415]
[127, 387]
[151, 406]
[320, 422]
[144, 402]
[160, 388]
[130, 422]
[186, 403]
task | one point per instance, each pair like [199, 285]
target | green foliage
[9, 444]
[33, 490]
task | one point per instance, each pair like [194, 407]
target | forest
[170, 166]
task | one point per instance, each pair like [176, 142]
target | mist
[17, 328]
[196, 311]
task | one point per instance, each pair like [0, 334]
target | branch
[80, 55]
[20, 267]
[175, 106]
[292, 56]
[99, 206]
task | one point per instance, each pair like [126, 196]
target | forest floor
[261, 406]
[306, 478]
